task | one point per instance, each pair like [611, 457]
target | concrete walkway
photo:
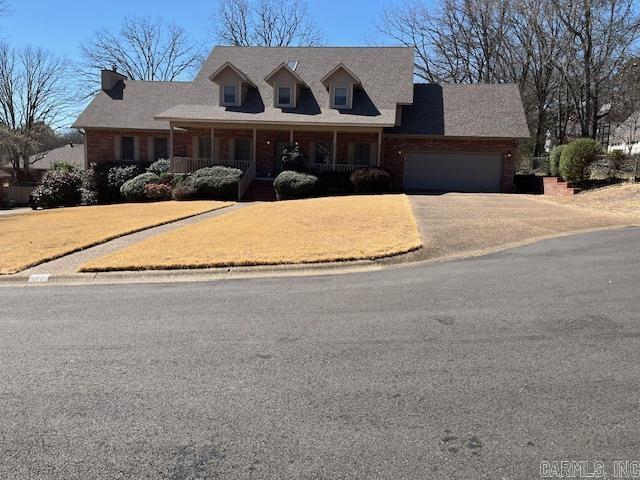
[15, 211]
[71, 263]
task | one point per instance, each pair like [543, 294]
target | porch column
[379, 146]
[335, 148]
[291, 137]
[171, 141]
[255, 145]
[213, 144]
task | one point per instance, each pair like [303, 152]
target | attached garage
[453, 172]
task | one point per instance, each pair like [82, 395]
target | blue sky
[62, 24]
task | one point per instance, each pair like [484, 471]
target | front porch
[260, 149]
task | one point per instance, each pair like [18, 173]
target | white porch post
[291, 137]
[171, 141]
[213, 144]
[379, 146]
[335, 148]
[255, 145]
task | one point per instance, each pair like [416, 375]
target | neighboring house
[346, 107]
[626, 136]
[40, 163]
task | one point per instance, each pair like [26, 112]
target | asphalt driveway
[481, 368]
[459, 225]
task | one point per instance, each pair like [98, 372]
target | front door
[277, 158]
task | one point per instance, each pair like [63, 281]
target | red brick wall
[395, 148]
[101, 144]
[555, 187]
[101, 147]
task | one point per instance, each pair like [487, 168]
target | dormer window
[340, 97]
[284, 97]
[340, 83]
[229, 95]
[233, 85]
[286, 83]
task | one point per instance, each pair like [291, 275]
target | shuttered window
[127, 149]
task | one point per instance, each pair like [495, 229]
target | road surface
[481, 368]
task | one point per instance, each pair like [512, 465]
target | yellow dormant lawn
[300, 231]
[32, 238]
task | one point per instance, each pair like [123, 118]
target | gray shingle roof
[465, 111]
[132, 104]
[387, 80]
[386, 75]
[71, 154]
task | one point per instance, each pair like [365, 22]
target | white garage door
[453, 172]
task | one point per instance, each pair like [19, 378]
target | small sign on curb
[39, 278]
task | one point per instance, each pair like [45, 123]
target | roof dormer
[340, 82]
[286, 84]
[233, 85]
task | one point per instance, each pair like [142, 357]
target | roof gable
[341, 71]
[286, 69]
[229, 67]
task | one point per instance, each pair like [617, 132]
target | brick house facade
[346, 108]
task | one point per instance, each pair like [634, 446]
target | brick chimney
[110, 78]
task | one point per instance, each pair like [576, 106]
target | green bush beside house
[576, 158]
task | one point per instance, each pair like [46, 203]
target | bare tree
[143, 49]
[541, 34]
[411, 25]
[271, 23]
[34, 94]
[603, 34]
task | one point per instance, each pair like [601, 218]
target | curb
[192, 275]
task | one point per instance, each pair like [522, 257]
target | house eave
[282, 124]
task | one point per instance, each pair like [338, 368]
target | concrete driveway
[481, 368]
[458, 225]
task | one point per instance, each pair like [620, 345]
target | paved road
[481, 368]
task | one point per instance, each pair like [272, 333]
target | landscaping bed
[30, 239]
[292, 232]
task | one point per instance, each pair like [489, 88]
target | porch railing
[338, 167]
[189, 164]
[248, 177]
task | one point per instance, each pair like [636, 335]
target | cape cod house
[345, 107]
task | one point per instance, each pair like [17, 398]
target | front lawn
[32, 238]
[298, 231]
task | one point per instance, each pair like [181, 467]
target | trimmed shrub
[371, 180]
[576, 158]
[178, 179]
[58, 189]
[290, 184]
[133, 190]
[185, 192]
[63, 166]
[160, 166]
[88, 197]
[216, 182]
[157, 192]
[554, 160]
[118, 176]
[293, 158]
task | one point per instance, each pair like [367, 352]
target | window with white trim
[242, 149]
[229, 95]
[127, 149]
[362, 154]
[340, 97]
[160, 148]
[284, 98]
[205, 147]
